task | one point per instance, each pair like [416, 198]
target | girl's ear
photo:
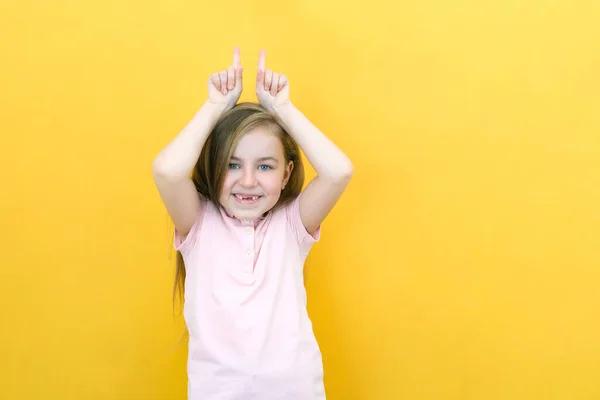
[288, 173]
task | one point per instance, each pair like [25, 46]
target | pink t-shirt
[245, 308]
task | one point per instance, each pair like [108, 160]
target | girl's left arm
[334, 169]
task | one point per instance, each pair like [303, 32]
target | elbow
[349, 170]
[346, 170]
[158, 167]
[165, 171]
[342, 173]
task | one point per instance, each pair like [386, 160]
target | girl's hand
[272, 89]
[225, 87]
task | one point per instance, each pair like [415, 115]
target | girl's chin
[247, 209]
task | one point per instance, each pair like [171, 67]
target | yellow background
[462, 263]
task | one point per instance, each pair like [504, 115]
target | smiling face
[256, 175]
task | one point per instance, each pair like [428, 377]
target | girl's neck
[247, 221]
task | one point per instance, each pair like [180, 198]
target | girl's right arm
[173, 166]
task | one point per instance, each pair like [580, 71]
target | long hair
[211, 168]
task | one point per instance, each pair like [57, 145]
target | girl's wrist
[283, 111]
[213, 110]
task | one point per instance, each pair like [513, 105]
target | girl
[243, 229]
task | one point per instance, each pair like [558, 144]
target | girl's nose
[248, 179]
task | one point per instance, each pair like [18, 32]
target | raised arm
[173, 166]
[334, 169]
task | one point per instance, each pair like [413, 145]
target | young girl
[243, 229]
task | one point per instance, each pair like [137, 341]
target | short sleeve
[188, 242]
[298, 228]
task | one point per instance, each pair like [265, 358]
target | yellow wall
[463, 262]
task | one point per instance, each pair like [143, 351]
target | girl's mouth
[246, 199]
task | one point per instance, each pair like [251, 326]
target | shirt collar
[244, 222]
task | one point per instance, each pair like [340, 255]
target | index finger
[236, 57]
[262, 60]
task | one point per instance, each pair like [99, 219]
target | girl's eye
[264, 167]
[234, 166]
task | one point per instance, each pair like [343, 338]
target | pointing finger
[236, 57]
[262, 60]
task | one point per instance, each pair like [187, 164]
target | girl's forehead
[258, 143]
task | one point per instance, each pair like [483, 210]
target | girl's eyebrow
[234, 158]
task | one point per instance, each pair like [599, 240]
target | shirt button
[249, 231]
[249, 253]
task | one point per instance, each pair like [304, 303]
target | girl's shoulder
[205, 215]
[294, 221]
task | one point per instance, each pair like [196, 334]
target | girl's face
[256, 175]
